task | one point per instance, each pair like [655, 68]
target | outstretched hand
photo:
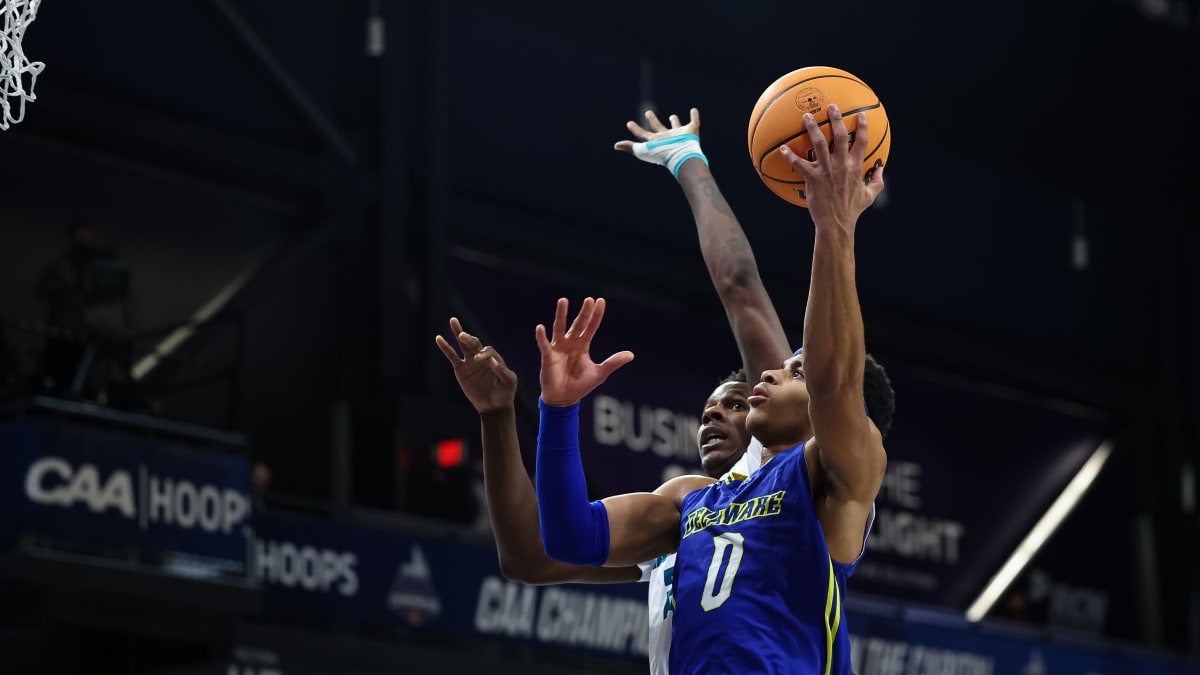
[834, 186]
[568, 372]
[658, 130]
[488, 384]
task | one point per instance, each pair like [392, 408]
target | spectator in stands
[260, 483]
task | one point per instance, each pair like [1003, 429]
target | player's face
[722, 436]
[779, 404]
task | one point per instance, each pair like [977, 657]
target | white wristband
[670, 152]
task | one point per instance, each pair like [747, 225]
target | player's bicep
[849, 447]
[645, 525]
[641, 526]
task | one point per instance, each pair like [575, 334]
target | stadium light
[1041, 532]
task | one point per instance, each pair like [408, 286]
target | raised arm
[620, 530]
[491, 388]
[848, 446]
[731, 265]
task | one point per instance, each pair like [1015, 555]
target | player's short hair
[879, 395]
[738, 375]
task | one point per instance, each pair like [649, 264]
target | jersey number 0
[715, 595]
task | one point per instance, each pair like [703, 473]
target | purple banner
[970, 471]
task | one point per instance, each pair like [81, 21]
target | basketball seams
[763, 112]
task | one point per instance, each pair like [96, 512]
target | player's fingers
[455, 325]
[695, 121]
[837, 132]
[655, 124]
[559, 328]
[469, 343]
[580, 325]
[875, 182]
[639, 132]
[798, 163]
[675, 123]
[503, 372]
[862, 136]
[612, 363]
[444, 346]
[819, 143]
[543, 342]
[597, 317]
[623, 146]
[489, 353]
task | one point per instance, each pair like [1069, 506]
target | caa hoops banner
[84, 487]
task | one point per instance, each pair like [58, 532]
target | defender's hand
[657, 130]
[669, 147]
[488, 384]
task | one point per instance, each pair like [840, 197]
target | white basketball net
[18, 75]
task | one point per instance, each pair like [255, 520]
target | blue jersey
[755, 588]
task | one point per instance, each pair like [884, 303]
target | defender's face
[722, 436]
[779, 403]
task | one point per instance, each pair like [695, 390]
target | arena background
[293, 197]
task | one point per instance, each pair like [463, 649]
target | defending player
[722, 438]
[762, 562]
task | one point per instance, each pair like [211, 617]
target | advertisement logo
[150, 499]
[413, 595]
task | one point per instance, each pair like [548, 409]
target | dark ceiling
[1017, 126]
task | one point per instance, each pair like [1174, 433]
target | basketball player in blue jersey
[724, 444]
[762, 562]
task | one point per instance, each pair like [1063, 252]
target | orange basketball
[778, 119]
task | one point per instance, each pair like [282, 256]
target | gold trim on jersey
[833, 605]
[758, 507]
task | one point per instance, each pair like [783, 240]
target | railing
[137, 387]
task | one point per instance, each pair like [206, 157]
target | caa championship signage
[352, 574]
[945, 644]
[85, 486]
[360, 575]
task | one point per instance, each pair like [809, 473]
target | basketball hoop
[15, 69]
